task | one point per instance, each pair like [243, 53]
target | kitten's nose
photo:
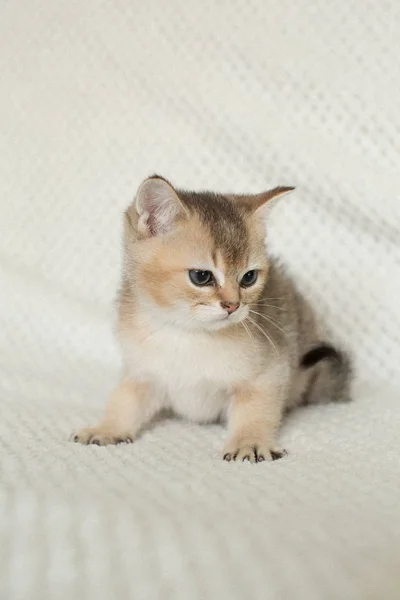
[230, 306]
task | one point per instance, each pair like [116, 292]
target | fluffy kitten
[210, 326]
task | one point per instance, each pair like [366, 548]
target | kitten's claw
[278, 453]
[256, 452]
[99, 436]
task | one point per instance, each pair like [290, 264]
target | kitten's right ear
[158, 207]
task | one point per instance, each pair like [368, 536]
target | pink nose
[230, 306]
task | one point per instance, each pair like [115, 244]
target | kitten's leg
[130, 407]
[253, 424]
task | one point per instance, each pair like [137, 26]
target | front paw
[252, 451]
[100, 436]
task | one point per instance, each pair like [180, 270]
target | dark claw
[95, 442]
[260, 458]
[129, 440]
[255, 450]
[247, 457]
[76, 439]
[227, 457]
[278, 455]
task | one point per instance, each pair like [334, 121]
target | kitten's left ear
[264, 197]
[262, 203]
[158, 207]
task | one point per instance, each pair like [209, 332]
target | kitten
[212, 327]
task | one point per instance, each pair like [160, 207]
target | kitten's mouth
[226, 317]
[231, 318]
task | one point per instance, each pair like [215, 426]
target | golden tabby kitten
[210, 326]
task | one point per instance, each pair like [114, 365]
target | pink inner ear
[159, 206]
[160, 219]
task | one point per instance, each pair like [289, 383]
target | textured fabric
[235, 96]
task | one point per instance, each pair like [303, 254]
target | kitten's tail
[329, 377]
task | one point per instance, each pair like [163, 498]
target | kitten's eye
[201, 278]
[249, 278]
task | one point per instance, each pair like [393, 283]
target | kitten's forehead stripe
[223, 219]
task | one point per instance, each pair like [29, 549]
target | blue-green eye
[201, 278]
[249, 278]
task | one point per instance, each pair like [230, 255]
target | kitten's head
[196, 260]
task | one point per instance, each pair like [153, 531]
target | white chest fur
[194, 372]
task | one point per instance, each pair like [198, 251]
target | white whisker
[265, 334]
[264, 304]
[248, 332]
[269, 319]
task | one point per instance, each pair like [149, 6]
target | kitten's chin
[216, 325]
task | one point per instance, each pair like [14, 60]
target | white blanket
[236, 96]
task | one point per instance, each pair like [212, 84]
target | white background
[229, 96]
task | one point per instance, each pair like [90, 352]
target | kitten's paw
[100, 436]
[252, 452]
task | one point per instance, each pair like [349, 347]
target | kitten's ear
[260, 204]
[158, 207]
[259, 201]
